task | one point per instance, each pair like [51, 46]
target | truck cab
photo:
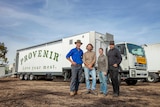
[133, 66]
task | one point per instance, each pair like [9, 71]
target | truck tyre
[110, 81]
[31, 77]
[66, 75]
[131, 82]
[21, 77]
[82, 79]
[153, 77]
[52, 78]
[49, 77]
[36, 77]
[119, 79]
[26, 77]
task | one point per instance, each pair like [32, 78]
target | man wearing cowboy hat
[76, 67]
[114, 60]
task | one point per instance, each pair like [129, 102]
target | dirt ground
[42, 93]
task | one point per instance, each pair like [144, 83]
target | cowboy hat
[111, 43]
[78, 41]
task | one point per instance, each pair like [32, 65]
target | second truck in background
[152, 52]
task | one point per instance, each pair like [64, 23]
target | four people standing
[105, 63]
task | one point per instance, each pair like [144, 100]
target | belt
[77, 65]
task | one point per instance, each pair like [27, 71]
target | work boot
[88, 91]
[115, 95]
[101, 92]
[105, 94]
[94, 92]
[72, 93]
[77, 93]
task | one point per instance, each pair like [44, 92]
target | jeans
[91, 72]
[76, 75]
[103, 83]
[114, 78]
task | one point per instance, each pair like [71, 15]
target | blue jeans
[103, 82]
[91, 72]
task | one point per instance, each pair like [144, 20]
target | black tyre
[26, 77]
[21, 76]
[119, 79]
[110, 81]
[66, 75]
[49, 77]
[82, 79]
[36, 77]
[31, 77]
[131, 82]
[152, 77]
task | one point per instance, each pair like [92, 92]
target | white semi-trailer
[152, 52]
[49, 59]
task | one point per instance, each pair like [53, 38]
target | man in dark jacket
[114, 59]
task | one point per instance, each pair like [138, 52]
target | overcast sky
[25, 23]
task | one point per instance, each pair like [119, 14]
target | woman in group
[103, 69]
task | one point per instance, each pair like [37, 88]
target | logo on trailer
[40, 54]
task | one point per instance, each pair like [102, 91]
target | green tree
[3, 52]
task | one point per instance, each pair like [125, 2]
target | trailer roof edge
[40, 44]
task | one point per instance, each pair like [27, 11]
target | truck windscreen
[135, 49]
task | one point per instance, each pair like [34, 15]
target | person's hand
[90, 66]
[105, 73]
[73, 63]
[115, 65]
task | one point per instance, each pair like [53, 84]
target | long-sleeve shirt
[89, 57]
[102, 63]
[76, 55]
[114, 57]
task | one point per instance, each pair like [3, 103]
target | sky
[25, 23]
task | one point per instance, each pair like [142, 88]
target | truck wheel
[26, 77]
[131, 82]
[36, 77]
[82, 79]
[49, 77]
[110, 81]
[52, 77]
[31, 77]
[119, 79]
[21, 77]
[152, 77]
[65, 75]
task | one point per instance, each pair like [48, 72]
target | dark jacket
[114, 57]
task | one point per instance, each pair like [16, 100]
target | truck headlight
[133, 73]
